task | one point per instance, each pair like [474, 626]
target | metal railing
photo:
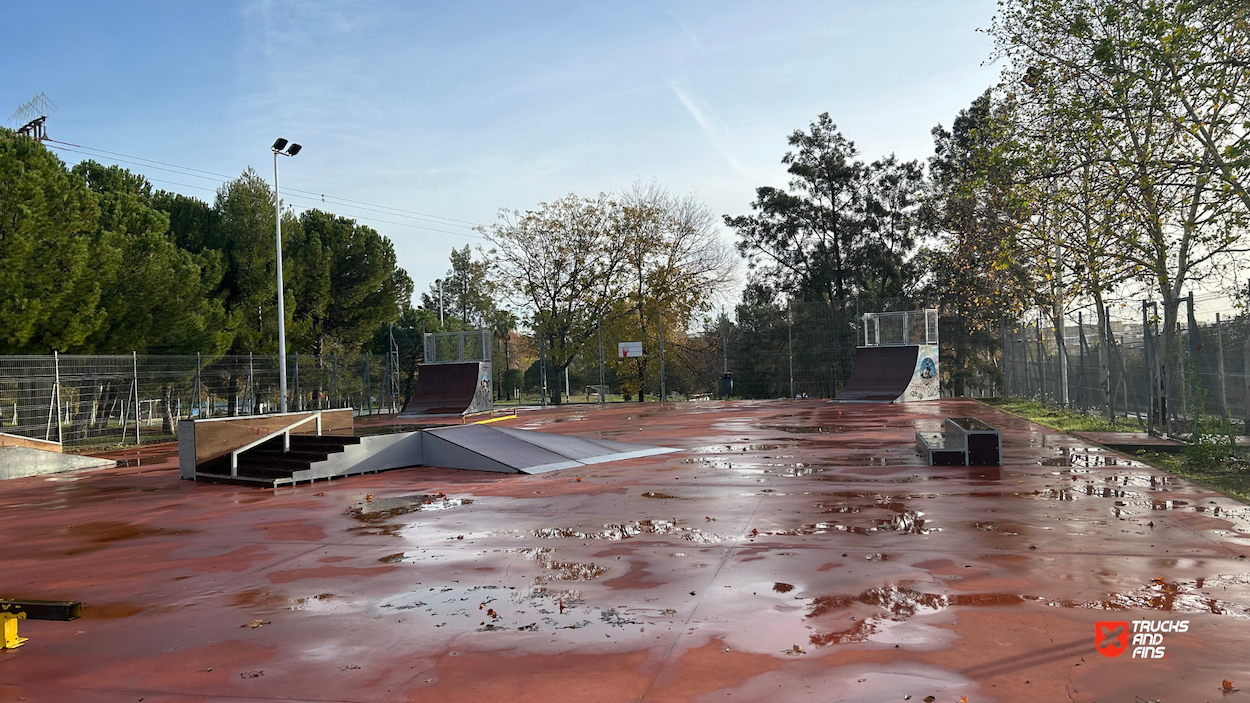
[286, 441]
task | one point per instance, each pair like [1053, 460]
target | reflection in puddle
[903, 522]
[900, 603]
[564, 570]
[486, 609]
[1089, 459]
[734, 448]
[386, 508]
[619, 531]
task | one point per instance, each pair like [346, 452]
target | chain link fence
[92, 401]
[1122, 364]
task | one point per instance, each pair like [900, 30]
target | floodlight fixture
[281, 147]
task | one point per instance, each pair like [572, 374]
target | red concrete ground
[796, 551]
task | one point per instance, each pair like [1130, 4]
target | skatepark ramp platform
[284, 449]
[26, 456]
[455, 378]
[898, 361]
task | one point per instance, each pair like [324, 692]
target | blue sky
[460, 109]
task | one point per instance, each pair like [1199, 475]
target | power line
[195, 172]
[288, 191]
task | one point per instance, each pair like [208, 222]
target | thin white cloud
[715, 130]
[694, 38]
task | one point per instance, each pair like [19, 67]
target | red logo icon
[1111, 637]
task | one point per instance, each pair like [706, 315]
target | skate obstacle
[898, 362]
[289, 448]
[966, 441]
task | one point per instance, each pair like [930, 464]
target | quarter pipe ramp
[892, 374]
[451, 389]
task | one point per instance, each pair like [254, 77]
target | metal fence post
[660, 326]
[1219, 355]
[299, 398]
[54, 400]
[1080, 330]
[1245, 392]
[542, 361]
[250, 395]
[134, 358]
[790, 343]
[1147, 352]
[199, 386]
[1002, 354]
[1041, 359]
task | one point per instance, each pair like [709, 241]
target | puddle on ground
[614, 532]
[375, 513]
[734, 448]
[900, 603]
[805, 429]
[538, 608]
[904, 521]
[1089, 458]
[387, 508]
[95, 536]
[564, 570]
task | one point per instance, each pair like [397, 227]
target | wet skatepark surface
[795, 551]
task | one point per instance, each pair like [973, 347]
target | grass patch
[1215, 464]
[1229, 475]
[1057, 418]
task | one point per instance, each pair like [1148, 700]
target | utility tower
[32, 115]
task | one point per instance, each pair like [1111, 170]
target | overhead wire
[418, 214]
[221, 179]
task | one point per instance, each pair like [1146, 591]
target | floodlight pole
[277, 219]
[281, 146]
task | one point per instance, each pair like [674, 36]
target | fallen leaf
[1228, 686]
[579, 479]
[963, 699]
[255, 624]
[796, 650]
[251, 674]
[368, 497]
[929, 699]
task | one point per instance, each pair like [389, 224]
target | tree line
[1112, 159]
[95, 260]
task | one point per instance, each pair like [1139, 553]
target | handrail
[286, 441]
